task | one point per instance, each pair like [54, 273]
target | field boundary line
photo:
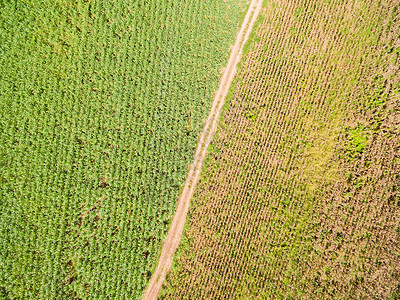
[174, 235]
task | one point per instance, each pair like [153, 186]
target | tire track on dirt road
[174, 235]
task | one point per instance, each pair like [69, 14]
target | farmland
[299, 196]
[101, 106]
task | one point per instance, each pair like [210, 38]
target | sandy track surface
[174, 235]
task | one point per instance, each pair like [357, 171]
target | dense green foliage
[101, 103]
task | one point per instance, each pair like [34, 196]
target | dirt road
[173, 238]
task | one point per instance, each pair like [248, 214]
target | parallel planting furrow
[297, 190]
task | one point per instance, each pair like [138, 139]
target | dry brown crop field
[299, 196]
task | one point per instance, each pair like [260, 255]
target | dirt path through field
[173, 238]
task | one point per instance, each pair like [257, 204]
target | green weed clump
[358, 139]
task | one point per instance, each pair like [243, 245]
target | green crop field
[101, 105]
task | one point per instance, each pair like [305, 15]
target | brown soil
[173, 238]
